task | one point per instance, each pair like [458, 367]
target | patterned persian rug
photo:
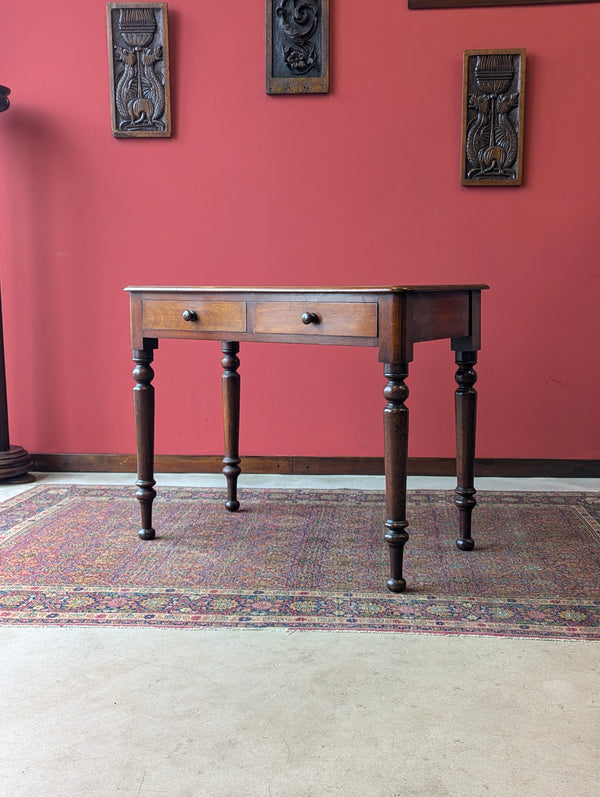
[300, 559]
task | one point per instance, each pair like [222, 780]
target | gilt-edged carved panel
[493, 116]
[297, 52]
[138, 58]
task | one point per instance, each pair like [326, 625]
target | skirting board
[417, 466]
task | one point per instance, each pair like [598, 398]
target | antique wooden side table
[391, 319]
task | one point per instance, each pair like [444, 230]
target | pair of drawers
[301, 317]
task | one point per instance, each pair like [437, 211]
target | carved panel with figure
[138, 57]
[493, 115]
[297, 52]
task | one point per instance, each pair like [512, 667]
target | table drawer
[200, 314]
[337, 319]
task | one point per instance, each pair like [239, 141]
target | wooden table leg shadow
[392, 319]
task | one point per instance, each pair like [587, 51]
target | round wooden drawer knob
[310, 318]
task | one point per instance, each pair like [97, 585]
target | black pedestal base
[14, 466]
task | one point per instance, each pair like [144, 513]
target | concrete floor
[178, 713]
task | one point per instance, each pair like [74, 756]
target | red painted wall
[360, 186]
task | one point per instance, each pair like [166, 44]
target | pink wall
[360, 186]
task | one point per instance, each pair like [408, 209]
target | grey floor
[98, 711]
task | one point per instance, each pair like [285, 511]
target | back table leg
[143, 402]
[466, 411]
[231, 421]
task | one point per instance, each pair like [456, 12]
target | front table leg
[231, 421]
[395, 427]
[466, 410]
[143, 402]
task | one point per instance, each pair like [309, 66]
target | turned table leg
[143, 402]
[231, 421]
[466, 411]
[395, 427]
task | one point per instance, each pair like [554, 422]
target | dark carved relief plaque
[297, 33]
[493, 113]
[138, 57]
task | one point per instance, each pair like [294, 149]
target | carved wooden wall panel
[493, 115]
[297, 53]
[138, 57]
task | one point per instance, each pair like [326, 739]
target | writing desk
[390, 319]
